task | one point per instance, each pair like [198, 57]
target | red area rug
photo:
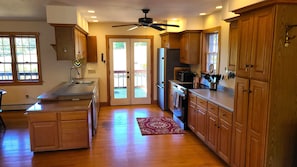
[158, 126]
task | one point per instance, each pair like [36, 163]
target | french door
[130, 79]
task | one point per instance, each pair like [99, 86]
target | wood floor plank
[118, 143]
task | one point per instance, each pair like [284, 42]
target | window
[211, 51]
[19, 58]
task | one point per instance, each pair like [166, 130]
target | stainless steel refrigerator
[167, 60]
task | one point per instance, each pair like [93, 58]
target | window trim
[205, 48]
[15, 80]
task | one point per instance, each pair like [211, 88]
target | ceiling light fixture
[91, 11]
[219, 7]
[202, 14]
[93, 17]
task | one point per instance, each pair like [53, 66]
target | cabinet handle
[249, 91]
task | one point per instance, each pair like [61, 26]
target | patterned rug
[158, 126]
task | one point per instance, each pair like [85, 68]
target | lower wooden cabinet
[197, 115]
[44, 134]
[212, 124]
[59, 130]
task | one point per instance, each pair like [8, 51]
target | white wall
[53, 71]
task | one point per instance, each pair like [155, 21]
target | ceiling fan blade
[133, 28]
[171, 25]
[125, 25]
[157, 27]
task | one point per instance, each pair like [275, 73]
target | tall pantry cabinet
[265, 112]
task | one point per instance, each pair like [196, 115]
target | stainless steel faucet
[70, 75]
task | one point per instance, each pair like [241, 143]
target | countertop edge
[227, 103]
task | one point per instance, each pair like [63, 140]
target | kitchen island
[60, 125]
[64, 117]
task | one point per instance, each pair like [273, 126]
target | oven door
[180, 104]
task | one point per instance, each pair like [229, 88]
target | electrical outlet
[27, 96]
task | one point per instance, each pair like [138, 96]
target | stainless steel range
[180, 112]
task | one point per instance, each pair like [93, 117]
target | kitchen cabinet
[233, 44]
[74, 131]
[71, 42]
[190, 46]
[255, 46]
[201, 118]
[92, 49]
[224, 134]
[265, 107]
[38, 125]
[192, 122]
[197, 115]
[212, 125]
[170, 40]
[68, 127]
[219, 128]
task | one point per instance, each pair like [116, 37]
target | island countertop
[60, 106]
[78, 90]
[220, 98]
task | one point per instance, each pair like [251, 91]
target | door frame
[107, 38]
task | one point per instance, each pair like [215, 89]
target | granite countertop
[223, 99]
[60, 106]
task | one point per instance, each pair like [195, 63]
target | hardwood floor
[118, 143]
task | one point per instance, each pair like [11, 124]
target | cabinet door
[170, 40]
[65, 46]
[190, 50]
[92, 49]
[201, 123]
[255, 44]
[233, 45]
[263, 24]
[224, 134]
[239, 122]
[212, 131]
[245, 24]
[74, 134]
[44, 136]
[192, 112]
[257, 123]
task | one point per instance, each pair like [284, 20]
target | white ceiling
[109, 10]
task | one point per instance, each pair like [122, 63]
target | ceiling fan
[146, 22]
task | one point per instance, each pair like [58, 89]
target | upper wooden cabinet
[71, 42]
[255, 44]
[170, 40]
[190, 47]
[92, 49]
[265, 102]
[233, 45]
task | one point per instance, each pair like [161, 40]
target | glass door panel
[140, 69]
[120, 70]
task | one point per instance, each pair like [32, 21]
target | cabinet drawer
[201, 102]
[43, 116]
[192, 98]
[225, 115]
[74, 115]
[213, 108]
